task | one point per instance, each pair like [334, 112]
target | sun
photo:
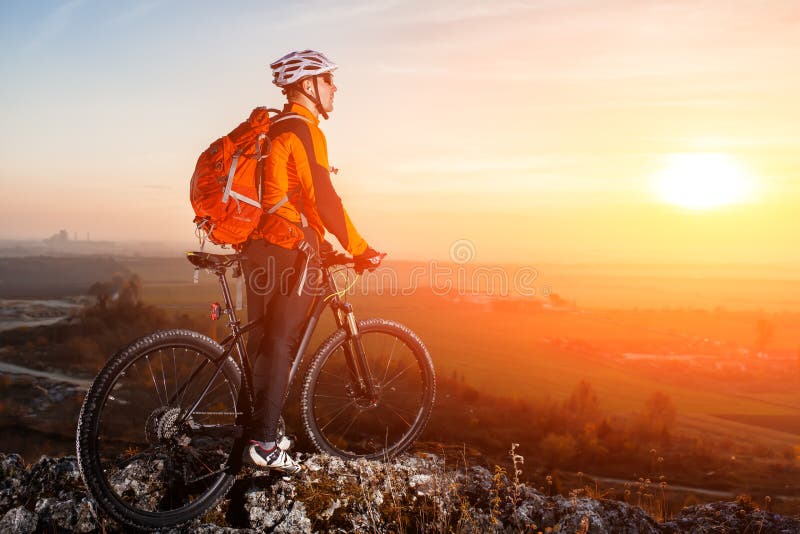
[701, 181]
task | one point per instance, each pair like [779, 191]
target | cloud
[54, 23]
[575, 42]
[137, 11]
[449, 12]
[321, 13]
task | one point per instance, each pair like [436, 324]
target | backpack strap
[229, 183]
[303, 220]
[289, 115]
[284, 200]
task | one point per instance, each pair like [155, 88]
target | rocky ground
[414, 493]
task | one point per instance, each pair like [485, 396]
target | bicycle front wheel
[157, 428]
[338, 417]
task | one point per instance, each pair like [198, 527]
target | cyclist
[283, 254]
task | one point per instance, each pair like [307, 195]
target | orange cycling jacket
[297, 167]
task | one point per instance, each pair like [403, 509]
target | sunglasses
[327, 78]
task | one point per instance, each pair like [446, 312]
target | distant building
[60, 237]
[60, 243]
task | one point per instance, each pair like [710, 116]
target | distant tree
[658, 417]
[583, 405]
[102, 292]
[557, 449]
[130, 290]
[117, 283]
[124, 291]
[589, 448]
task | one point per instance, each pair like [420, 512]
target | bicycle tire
[376, 437]
[120, 401]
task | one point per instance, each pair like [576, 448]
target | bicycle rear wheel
[157, 428]
[340, 420]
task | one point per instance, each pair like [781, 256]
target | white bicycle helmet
[295, 66]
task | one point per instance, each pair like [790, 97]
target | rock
[55, 477]
[12, 476]
[575, 515]
[86, 516]
[209, 528]
[423, 483]
[412, 493]
[295, 521]
[53, 513]
[70, 515]
[18, 520]
[730, 517]
[328, 512]
[265, 508]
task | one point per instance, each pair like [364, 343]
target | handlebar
[337, 258]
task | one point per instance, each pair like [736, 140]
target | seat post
[229, 307]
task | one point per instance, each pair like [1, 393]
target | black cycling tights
[273, 274]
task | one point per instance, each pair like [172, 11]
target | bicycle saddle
[206, 260]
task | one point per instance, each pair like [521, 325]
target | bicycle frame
[343, 316]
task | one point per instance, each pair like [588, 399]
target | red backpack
[225, 190]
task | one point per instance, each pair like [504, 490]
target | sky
[536, 131]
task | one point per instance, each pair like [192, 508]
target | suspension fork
[354, 350]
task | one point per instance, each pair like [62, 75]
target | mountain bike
[161, 431]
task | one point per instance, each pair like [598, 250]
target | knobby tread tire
[88, 461]
[327, 348]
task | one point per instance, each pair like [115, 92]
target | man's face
[326, 90]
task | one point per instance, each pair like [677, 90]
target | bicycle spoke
[331, 412]
[184, 385]
[119, 463]
[391, 354]
[199, 458]
[352, 403]
[395, 377]
[164, 376]
[154, 380]
[207, 475]
[397, 413]
[353, 420]
[208, 396]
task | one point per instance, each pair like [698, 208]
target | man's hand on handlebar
[330, 256]
[369, 260]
